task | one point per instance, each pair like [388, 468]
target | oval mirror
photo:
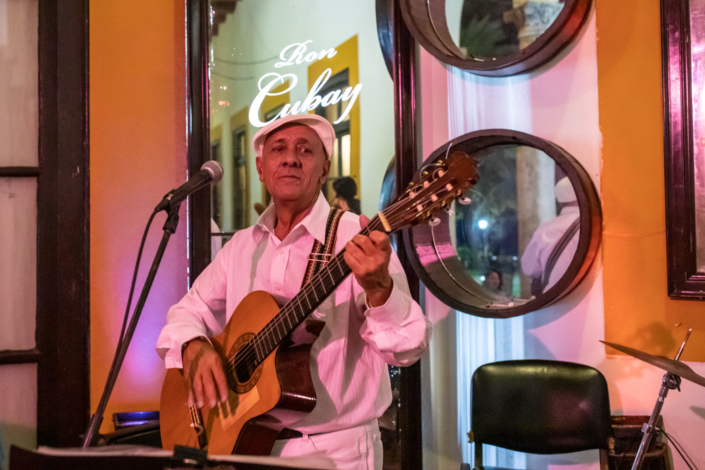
[525, 236]
[495, 37]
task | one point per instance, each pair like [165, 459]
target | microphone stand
[169, 228]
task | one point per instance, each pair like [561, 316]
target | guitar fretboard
[322, 284]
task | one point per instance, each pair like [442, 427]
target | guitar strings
[319, 280]
[307, 290]
[242, 359]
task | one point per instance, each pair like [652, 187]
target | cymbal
[665, 363]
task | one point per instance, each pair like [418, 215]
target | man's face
[293, 165]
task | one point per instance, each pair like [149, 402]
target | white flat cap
[564, 191]
[319, 124]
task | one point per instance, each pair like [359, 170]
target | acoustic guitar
[266, 347]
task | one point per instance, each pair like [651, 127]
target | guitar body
[272, 387]
[279, 393]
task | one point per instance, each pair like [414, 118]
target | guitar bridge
[199, 427]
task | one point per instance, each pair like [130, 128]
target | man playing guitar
[370, 320]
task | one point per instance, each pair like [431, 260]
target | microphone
[211, 172]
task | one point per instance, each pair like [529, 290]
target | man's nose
[291, 159]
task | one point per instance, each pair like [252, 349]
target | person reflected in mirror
[553, 244]
[493, 281]
[345, 191]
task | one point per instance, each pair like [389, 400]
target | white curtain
[476, 103]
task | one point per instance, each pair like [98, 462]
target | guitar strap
[558, 251]
[321, 253]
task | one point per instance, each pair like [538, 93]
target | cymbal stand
[669, 382]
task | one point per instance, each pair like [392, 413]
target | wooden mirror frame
[684, 280]
[426, 19]
[444, 278]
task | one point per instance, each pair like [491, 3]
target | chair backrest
[540, 407]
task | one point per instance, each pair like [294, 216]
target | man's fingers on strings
[222, 384]
[352, 248]
[353, 261]
[380, 240]
[209, 386]
[198, 390]
[191, 398]
[364, 243]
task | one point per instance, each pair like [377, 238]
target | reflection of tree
[483, 31]
[494, 199]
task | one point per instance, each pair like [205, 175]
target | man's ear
[326, 170]
[258, 164]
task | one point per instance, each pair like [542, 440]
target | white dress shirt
[349, 359]
[544, 240]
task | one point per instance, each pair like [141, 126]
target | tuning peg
[464, 201]
[434, 221]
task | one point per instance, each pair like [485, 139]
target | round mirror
[525, 235]
[495, 37]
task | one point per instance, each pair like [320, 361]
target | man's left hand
[368, 257]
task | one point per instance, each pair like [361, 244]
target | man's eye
[305, 150]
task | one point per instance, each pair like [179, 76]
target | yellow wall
[138, 153]
[346, 58]
[638, 311]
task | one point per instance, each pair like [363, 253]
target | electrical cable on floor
[677, 446]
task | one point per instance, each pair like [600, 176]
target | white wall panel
[19, 109]
[18, 408]
[18, 262]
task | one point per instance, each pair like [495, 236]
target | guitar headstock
[439, 184]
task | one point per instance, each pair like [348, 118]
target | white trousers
[358, 448]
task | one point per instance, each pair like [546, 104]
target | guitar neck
[322, 284]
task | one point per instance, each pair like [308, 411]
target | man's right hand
[203, 371]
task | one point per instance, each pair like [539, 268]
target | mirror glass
[697, 70]
[494, 29]
[516, 237]
[272, 58]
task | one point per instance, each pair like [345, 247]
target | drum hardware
[675, 370]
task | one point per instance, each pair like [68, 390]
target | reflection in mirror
[271, 58]
[697, 70]
[519, 232]
[493, 29]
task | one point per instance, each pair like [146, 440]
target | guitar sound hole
[244, 368]
[245, 373]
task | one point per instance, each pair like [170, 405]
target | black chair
[540, 407]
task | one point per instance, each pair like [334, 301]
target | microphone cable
[134, 280]
[132, 290]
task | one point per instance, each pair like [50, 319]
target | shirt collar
[314, 222]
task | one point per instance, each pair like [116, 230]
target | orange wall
[638, 311]
[138, 153]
